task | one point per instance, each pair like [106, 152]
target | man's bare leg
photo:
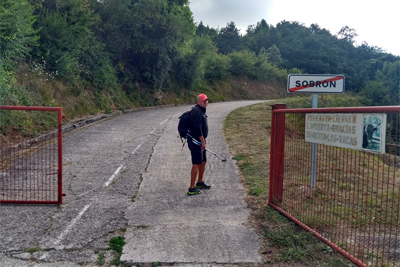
[193, 174]
[202, 167]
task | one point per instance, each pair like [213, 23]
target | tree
[347, 34]
[242, 63]
[274, 55]
[213, 66]
[228, 39]
[17, 35]
[261, 36]
[201, 29]
[316, 30]
[385, 88]
[190, 68]
[36, 3]
[146, 37]
[68, 44]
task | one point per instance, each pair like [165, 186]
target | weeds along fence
[349, 198]
[30, 155]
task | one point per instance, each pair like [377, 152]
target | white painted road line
[73, 222]
[43, 256]
[69, 227]
[136, 148]
[113, 176]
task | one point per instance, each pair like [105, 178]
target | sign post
[314, 84]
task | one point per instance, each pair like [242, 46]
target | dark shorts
[198, 156]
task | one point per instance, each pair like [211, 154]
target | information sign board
[354, 131]
[315, 83]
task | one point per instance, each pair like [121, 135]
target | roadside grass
[32, 249]
[247, 131]
[101, 259]
[116, 244]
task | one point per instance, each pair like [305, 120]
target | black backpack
[184, 124]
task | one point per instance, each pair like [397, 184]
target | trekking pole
[215, 154]
[199, 144]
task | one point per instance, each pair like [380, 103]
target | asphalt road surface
[129, 176]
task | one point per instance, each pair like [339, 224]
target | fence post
[277, 154]
[60, 163]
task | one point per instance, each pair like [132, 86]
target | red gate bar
[277, 152]
[385, 109]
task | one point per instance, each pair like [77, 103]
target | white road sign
[315, 83]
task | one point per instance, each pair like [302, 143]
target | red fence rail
[30, 155]
[354, 203]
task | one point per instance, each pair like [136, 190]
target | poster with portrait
[374, 133]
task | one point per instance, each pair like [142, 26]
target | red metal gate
[30, 155]
[354, 203]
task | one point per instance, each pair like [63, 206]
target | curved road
[129, 176]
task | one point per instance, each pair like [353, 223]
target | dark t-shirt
[198, 122]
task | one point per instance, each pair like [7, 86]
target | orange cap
[202, 97]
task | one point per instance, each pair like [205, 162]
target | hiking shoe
[193, 191]
[202, 185]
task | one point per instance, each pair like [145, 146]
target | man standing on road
[199, 131]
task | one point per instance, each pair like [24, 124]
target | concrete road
[131, 173]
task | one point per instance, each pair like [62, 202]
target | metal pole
[314, 149]
[60, 162]
[277, 154]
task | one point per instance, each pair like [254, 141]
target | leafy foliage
[69, 46]
[261, 36]
[242, 63]
[146, 37]
[201, 29]
[274, 55]
[247, 63]
[216, 68]
[385, 89]
[228, 39]
[114, 44]
[17, 35]
[117, 243]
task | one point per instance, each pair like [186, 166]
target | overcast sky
[376, 22]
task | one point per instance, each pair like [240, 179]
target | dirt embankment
[244, 88]
[255, 89]
[80, 100]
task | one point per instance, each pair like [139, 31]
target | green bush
[117, 243]
[216, 68]
[104, 75]
[15, 95]
[16, 32]
[242, 63]
[265, 72]
[69, 46]
[187, 70]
